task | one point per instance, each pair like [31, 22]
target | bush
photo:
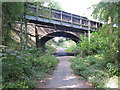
[18, 84]
[50, 49]
[22, 69]
[71, 48]
[94, 69]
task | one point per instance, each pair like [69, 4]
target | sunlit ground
[112, 82]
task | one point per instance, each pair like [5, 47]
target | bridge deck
[59, 17]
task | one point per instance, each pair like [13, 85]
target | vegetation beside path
[23, 69]
[97, 60]
[22, 65]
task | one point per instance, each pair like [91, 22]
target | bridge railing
[63, 17]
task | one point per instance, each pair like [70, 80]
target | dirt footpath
[63, 77]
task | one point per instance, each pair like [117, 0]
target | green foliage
[97, 61]
[50, 46]
[104, 10]
[15, 11]
[101, 42]
[54, 4]
[18, 84]
[10, 13]
[112, 68]
[22, 69]
[61, 41]
[95, 69]
[71, 48]
[48, 3]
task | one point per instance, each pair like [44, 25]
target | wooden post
[96, 26]
[36, 32]
[89, 35]
[36, 36]
[80, 22]
[61, 17]
[89, 30]
[26, 30]
[26, 35]
[85, 34]
[71, 20]
[50, 14]
[111, 26]
[21, 24]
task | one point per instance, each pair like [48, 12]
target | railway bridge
[47, 23]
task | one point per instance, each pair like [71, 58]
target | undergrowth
[71, 48]
[96, 70]
[97, 60]
[21, 69]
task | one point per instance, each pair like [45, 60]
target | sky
[78, 7]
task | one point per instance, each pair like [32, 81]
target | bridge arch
[49, 36]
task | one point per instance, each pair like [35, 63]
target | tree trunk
[111, 26]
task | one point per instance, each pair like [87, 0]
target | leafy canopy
[104, 10]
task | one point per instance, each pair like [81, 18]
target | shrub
[94, 69]
[71, 48]
[22, 69]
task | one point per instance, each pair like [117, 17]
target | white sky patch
[78, 7]
[57, 38]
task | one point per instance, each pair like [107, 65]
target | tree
[10, 13]
[49, 3]
[107, 12]
[54, 4]
[15, 11]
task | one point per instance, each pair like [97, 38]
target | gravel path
[63, 77]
